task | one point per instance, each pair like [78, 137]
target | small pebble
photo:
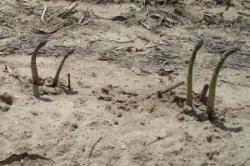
[123, 147]
[221, 118]
[202, 116]
[187, 109]
[119, 115]
[4, 107]
[74, 126]
[116, 122]
[209, 138]
[202, 107]
[22, 162]
[6, 98]
[181, 118]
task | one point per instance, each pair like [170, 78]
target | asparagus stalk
[56, 78]
[213, 83]
[35, 76]
[190, 73]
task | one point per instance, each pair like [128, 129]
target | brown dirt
[112, 115]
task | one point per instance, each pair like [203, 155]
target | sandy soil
[112, 116]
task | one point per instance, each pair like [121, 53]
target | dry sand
[108, 118]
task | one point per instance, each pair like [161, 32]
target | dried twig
[39, 31]
[157, 139]
[93, 147]
[86, 22]
[161, 18]
[143, 38]
[7, 68]
[68, 11]
[81, 19]
[160, 93]
[44, 12]
[116, 41]
[172, 15]
[69, 82]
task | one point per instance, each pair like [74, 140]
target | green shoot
[35, 77]
[213, 83]
[202, 97]
[190, 73]
[56, 78]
